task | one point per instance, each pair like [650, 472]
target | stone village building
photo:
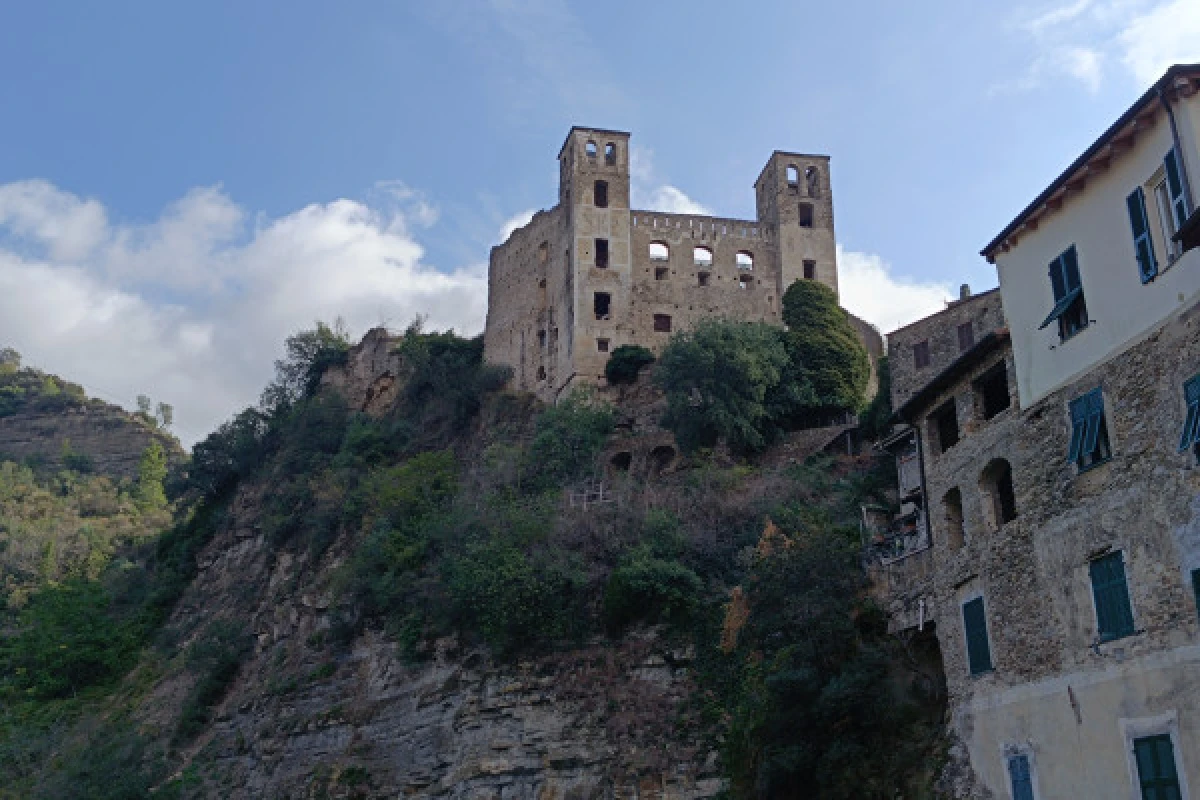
[592, 273]
[1049, 534]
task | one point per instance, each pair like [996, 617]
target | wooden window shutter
[1175, 189]
[1191, 423]
[1143, 248]
[1114, 616]
[1022, 780]
[1157, 777]
[979, 656]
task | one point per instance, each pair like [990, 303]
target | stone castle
[592, 273]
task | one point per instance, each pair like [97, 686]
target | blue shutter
[1095, 418]
[1175, 188]
[979, 655]
[1114, 615]
[1079, 418]
[1070, 262]
[1143, 248]
[1022, 781]
[1157, 777]
[1191, 425]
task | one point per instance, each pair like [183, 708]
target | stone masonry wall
[984, 312]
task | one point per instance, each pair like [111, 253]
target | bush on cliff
[625, 362]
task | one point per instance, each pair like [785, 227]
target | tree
[825, 349]
[152, 469]
[625, 363]
[309, 354]
[165, 415]
[144, 404]
[724, 381]
[10, 361]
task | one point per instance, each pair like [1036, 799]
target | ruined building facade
[1056, 462]
[592, 273]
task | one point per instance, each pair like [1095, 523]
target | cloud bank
[193, 307]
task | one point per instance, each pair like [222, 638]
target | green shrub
[645, 588]
[216, 657]
[723, 381]
[625, 363]
[566, 441]
[824, 348]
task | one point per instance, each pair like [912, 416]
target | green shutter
[1157, 777]
[1095, 412]
[1191, 424]
[1114, 615]
[1058, 283]
[1079, 418]
[979, 655]
[1196, 588]
[1064, 281]
[1175, 188]
[1143, 248]
[1022, 780]
[1070, 262]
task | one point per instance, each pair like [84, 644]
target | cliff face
[111, 438]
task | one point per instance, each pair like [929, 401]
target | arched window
[812, 181]
[590, 149]
[793, 175]
[997, 485]
[953, 516]
[702, 257]
[744, 260]
[610, 154]
[659, 251]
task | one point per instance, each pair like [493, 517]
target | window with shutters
[1089, 432]
[1070, 310]
[1179, 201]
[979, 652]
[1157, 776]
[1191, 422]
[1110, 592]
[966, 336]
[1143, 247]
[1021, 777]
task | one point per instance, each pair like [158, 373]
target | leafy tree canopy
[825, 348]
[625, 363]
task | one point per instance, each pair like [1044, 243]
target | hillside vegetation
[447, 518]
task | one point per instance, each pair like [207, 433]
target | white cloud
[647, 191]
[1165, 35]
[518, 220]
[193, 307]
[1080, 39]
[868, 289]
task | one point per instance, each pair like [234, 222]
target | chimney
[964, 292]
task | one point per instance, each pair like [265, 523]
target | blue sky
[183, 185]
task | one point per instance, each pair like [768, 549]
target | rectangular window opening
[810, 270]
[992, 390]
[1110, 591]
[944, 424]
[602, 345]
[921, 355]
[1196, 589]
[662, 323]
[966, 336]
[600, 194]
[1089, 432]
[601, 305]
[806, 215]
[702, 278]
[660, 273]
[602, 253]
[746, 281]
[979, 652]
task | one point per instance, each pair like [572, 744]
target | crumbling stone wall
[984, 312]
[543, 282]
[1055, 687]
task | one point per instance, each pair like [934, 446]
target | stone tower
[794, 196]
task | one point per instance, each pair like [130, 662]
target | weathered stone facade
[592, 274]
[939, 335]
[1057, 694]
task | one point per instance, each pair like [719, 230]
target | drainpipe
[1183, 173]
